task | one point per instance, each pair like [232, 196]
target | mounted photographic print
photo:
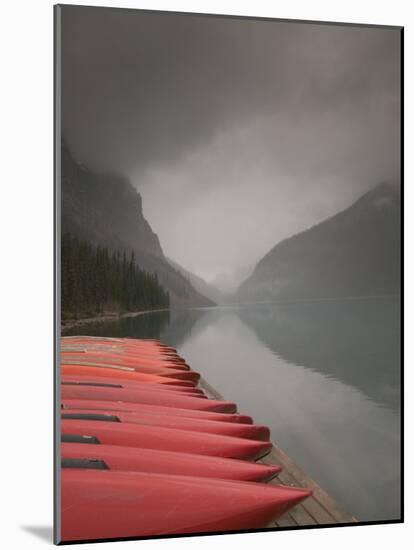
[228, 274]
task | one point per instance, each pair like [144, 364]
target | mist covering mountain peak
[353, 253]
[105, 209]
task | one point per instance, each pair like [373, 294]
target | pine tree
[93, 279]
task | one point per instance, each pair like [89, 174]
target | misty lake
[324, 376]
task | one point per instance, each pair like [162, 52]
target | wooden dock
[319, 509]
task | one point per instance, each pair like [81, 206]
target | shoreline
[72, 323]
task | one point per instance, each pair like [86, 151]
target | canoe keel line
[146, 451]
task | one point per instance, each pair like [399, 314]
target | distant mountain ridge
[106, 209]
[354, 253]
[202, 286]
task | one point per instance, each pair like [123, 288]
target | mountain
[200, 284]
[106, 209]
[354, 253]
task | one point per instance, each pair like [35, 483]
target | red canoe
[143, 396]
[118, 342]
[135, 345]
[143, 504]
[136, 360]
[109, 347]
[128, 353]
[122, 352]
[135, 459]
[165, 439]
[248, 431]
[132, 384]
[122, 357]
[154, 409]
[108, 368]
[106, 371]
[148, 388]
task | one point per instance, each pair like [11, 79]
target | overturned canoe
[124, 348]
[127, 359]
[167, 439]
[103, 369]
[113, 457]
[155, 409]
[248, 431]
[130, 384]
[144, 396]
[143, 504]
[126, 374]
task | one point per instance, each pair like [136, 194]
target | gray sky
[237, 133]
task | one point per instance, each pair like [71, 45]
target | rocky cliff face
[106, 209]
[354, 253]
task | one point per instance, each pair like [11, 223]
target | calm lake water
[324, 376]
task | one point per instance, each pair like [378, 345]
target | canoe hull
[146, 397]
[142, 504]
[155, 409]
[247, 431]
[166, 439]
[169, 462]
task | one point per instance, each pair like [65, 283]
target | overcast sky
[237, 133]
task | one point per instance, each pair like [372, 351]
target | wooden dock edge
[319, 509]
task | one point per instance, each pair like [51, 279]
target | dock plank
[302, 516]
[330, 511]
[315, 512]
[284, 521]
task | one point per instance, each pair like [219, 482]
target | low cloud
[237, 133]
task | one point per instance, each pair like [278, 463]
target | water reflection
[356, 341]
[184, 324]
[339, 436]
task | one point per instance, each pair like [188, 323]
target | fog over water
[237, 133]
